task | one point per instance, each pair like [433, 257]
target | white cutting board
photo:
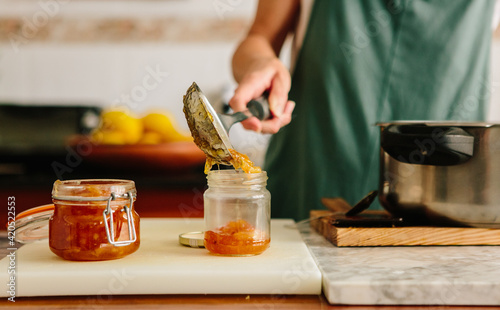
[163, 266]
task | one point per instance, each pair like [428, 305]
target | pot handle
[427, 145]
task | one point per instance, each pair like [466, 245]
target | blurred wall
[141, 55]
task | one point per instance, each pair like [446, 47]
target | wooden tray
[174, 156]
[400, 236]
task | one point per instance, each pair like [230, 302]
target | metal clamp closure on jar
[108, 212]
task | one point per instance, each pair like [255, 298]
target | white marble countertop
[409, 275]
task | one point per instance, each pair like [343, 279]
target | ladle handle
[259, 107]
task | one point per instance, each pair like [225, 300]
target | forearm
[253, 49]
[256, 66]
[274, 19]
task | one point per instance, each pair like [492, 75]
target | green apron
[364, 62]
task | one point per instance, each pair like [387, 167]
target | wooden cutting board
[163, 266]
[400, 236]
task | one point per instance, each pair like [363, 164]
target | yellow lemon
[151, 137]
[164, 124]
[119, 121]
[108, 137]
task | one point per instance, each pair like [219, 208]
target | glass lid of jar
[32, 224]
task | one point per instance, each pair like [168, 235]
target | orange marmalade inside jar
[236, 238]
[77, 229]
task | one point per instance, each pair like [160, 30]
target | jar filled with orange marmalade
[237, 213]
[94, 219]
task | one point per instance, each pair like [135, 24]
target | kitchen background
[102, 53]
[139, 55]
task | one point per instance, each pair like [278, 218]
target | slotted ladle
[210, 129]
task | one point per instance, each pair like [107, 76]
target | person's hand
[273, 76]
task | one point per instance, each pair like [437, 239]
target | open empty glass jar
[237, 213]
[94, 219]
